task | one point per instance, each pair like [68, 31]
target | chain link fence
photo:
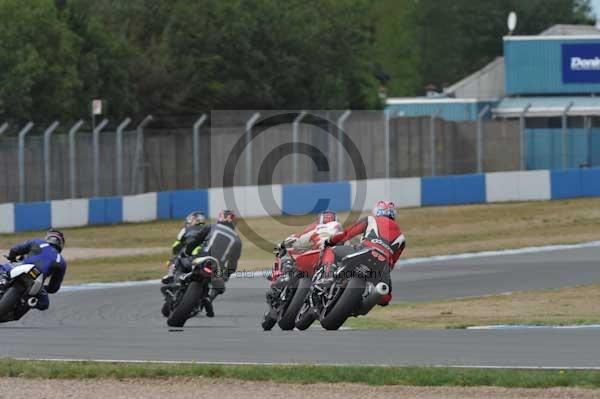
[297, 148]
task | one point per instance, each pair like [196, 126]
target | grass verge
[305, 374]
[564, 306]
[125, 268]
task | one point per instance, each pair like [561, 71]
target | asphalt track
[125, 323]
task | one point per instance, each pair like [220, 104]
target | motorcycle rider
[315, 234]
[45, 254]
[194, 223]
[380, 231]
[307, 244]
[221, 241]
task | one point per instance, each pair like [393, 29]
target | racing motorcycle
[351, 288]
[19, 288]
[290, 283]
[183, 297]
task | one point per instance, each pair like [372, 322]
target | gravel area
[16, 388]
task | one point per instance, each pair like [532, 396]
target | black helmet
[194, 219]
[56, 239]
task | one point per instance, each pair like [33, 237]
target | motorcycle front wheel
[305, 317]
[10, 300]
[287, 321]
[268, 322]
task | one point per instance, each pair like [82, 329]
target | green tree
[103, 62]
[38, 62]
[272, 54]
[396, 46]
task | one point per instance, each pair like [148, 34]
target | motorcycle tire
[189, 302]
[305, 318]
[268, 322]
[10, 300]
[166, 309]
[348, 301]
[288, 319]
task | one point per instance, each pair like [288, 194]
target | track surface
[125, 323]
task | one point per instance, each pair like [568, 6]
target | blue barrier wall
[299, 199]
[566, 184]
[313, 198]
[32, 216]
[453, 190]
[107, 210]
[183, 203]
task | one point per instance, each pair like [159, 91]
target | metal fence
[58, 161]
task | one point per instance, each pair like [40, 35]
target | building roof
[571, 30]
[547, 106]
[488, 82]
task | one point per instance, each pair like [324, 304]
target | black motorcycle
[351, 288]
[290, 283]
[189, 287]
[19, 289]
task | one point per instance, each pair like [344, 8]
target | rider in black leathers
[220, 241]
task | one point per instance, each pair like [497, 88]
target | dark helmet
[327, 217]
[227, 216]
[195, 219]
[56, 239]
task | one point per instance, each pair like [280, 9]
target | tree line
[183, 57]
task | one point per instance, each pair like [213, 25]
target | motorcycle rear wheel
[189, 302]
[348, 301]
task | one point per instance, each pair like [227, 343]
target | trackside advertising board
[581, 63]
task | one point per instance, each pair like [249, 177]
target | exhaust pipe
[373, 298]
[32, 302]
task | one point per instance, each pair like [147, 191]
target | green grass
[125, 268]
[563, 306]
[305, 374]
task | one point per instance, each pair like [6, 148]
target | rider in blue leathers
[46, 256]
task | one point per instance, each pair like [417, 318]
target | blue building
[549, 82]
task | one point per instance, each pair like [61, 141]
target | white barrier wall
[405, 193]
[7, 218]
[69, 213]
[247, 200]
[140, 208]
[517, 186]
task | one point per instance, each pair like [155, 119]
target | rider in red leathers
[379, 231]
[313, 236]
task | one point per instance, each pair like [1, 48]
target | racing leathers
[379, 232]
[47, 260]
[180, 257]
[221, 242]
